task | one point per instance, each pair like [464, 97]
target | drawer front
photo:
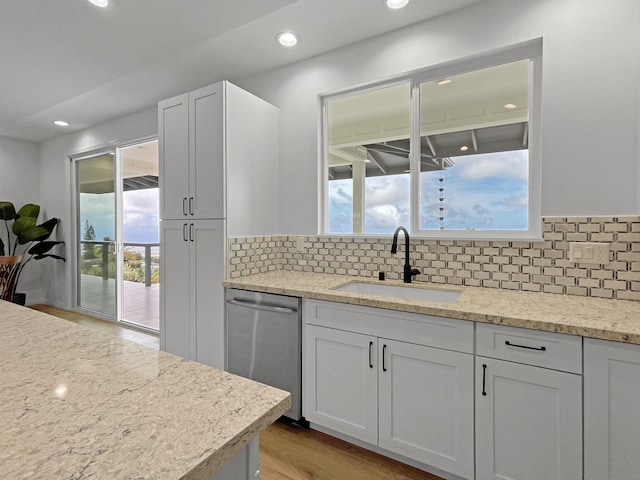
[428, 330]
[532, 347]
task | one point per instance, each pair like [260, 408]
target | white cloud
[503, 164]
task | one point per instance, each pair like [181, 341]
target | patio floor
[141, 304]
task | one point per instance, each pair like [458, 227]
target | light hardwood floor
[287, 452]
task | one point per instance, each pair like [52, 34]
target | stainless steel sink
[398, 291]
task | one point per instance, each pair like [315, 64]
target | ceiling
[66, 59]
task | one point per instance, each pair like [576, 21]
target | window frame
[531, 50]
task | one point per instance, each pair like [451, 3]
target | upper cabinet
[192, 155]
[218, 156]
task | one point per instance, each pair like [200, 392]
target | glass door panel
[140, 235]
[96, 214]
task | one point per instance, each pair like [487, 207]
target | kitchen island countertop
[617, 320]
[76, 403]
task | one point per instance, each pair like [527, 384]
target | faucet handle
[414, 272]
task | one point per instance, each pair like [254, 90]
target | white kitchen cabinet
[192, 154]
[528, 418]
[218, 153]
[611, 410]
[190, 268]
[367, 379]
[426, 405]
[341, 379]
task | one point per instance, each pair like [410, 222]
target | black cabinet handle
[540, 349]
[384, 349]
[184, 206]
[190, 205]
[484, 380]
[191, 232]
[184, 232]
[370, 349]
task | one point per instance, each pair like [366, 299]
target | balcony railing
[103, 257]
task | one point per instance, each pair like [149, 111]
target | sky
[140, 215]
[481, 192]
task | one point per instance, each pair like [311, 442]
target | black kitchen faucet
[408, 271]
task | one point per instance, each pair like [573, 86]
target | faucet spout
[408, 272]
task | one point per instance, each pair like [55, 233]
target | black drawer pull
[370, 348]
[484, 379]
[384, 366]
[540, 349]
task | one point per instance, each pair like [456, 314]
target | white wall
[590, 110]
[19, 184]
[55, 185]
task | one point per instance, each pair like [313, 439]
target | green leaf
[42, 247]
[30, 210]
[7, 211]
[30, 233]
[22, 224]
[50, 225]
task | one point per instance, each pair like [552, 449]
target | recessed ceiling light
[395, 4]
[464, 148]
[61, 123]
[510, 106]
[287, 39]
[100, 3]
[446, 81]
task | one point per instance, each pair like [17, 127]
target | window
[450, 151]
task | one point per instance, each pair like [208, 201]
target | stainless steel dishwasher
[264, 342]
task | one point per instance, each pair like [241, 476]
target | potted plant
[24, 239]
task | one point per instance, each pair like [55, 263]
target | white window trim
[531, 50]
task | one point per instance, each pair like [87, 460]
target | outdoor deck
[141, 303]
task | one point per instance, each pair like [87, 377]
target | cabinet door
[173, 156]
[177, 332]
[206, 152]
[611, 410]
[341, 382]
[528, 422]
[426, 405]
[207, 238]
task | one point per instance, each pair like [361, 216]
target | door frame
[115, 149]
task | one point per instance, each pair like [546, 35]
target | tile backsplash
[530, 266]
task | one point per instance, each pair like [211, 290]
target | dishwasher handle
[259, 306]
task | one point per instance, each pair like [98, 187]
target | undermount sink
[387, 290]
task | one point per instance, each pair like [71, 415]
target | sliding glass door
[117, 234]
[96, 215]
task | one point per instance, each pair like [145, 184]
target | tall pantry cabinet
[218, 154]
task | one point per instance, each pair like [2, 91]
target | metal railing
[104, 256]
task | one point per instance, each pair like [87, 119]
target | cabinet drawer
[428, 330]
[544, 349]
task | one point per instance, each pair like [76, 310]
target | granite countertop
[617, 320]
[80, 403]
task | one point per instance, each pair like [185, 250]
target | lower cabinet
[410, 399]
[426, 405]
[528, 422]
[611, 410]
[191, 320]
[528, 404]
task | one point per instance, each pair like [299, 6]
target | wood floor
[287, 452]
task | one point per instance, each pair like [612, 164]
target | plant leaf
[50, 225]
[7, 211]
[30, 233]
[42, 247]
[1, 248]
[22, 224]
[30, 210]
[57, 257]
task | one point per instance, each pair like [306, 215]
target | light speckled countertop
[80, 403]
[617, 320]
